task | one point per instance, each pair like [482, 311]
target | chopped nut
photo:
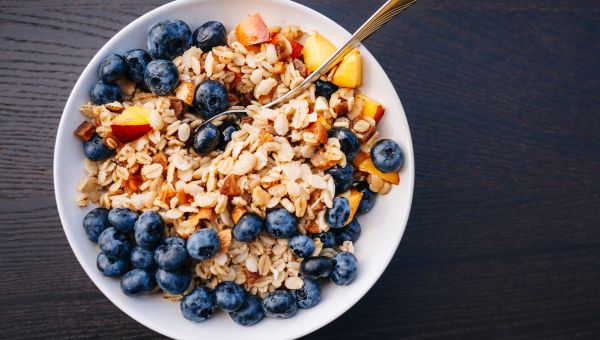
[282, 50]
[87, 110]
[111, 143]
[177, 106]
[85, 131]
[230, 187]
[203, 214]
[114, 107]
[224, 239]
[185, 92]
[251, 277]
[321, 161]
[126, 85]
[300, 67]
[166, 193]
[312, 228]
[133, 182]
[237, 213]
[160, 158]
[341, 108]
[183, 197]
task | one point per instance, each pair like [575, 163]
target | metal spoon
[384, 14]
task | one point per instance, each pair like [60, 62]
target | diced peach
[359, 158]
[296, 46]
[354, 197]
[317, 49]
[349, 72]
[368, 167]
[371, 108]
[252, 30]
[132, 124]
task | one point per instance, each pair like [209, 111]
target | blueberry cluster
[133, 247]
[154, 70]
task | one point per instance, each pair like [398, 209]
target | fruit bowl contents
[248, 216]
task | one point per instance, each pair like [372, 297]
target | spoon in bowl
[384, 14]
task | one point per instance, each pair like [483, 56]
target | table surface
[504, 235]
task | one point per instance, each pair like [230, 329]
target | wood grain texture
[504, 235]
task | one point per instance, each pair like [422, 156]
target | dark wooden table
[504, 235]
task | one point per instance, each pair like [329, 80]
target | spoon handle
[384, 14]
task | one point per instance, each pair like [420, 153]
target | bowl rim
[61, 205]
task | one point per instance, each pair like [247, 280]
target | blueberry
[210, 98]
[95, 222]
[248, 227]
[309, 295]
[226, 131]
[95, 150]
[112, 68]
[169, 38]
[327, 239]
[338, 214]
[104, 93]
[342, 177]
[281, 223]
[368, 198]
[161, 77]
[229, 296]
[316, 267]
[302, 246]
[111, 267]
[280, 304]
[249, 313]
[209, 35]
[344, 271]
[348, 141]
[203, 244]
[387, 155]
[198, 305]
[325, 89]
[142, 258]
[173, 282]
[149, 229]
[351, 232]
[123, 219]
[114, 243]
[138, 282]
[171, 254]
[137, 60]
[205, 139]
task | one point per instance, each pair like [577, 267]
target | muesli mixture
[246, 216]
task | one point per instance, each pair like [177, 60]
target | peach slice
[252, 30]
[132, 124]
[354, 196]
[364, 163]
[316, 51]
[349, 73]
[371, 108]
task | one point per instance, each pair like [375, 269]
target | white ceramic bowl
[382, 228]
